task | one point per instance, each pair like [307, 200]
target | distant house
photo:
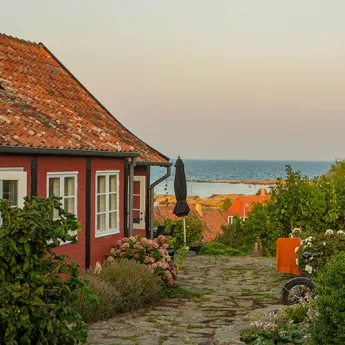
[244, 204]
[57, 139]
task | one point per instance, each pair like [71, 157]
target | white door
[139, 199]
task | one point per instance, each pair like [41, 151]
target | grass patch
[177, 291]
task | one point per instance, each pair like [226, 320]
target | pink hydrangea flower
[136, 256]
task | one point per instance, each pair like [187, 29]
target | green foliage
[36, 303]
[120, 287]
[311, 204]
[329, 327]
[176, 291]
[215, 248]
[326, 244]
[287, 326]
[226, 203]
[283, 335]
[296, 313]
[233, 236]
[180, 257]
[194, 230]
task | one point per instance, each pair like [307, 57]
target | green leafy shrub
[214, 248]
[233, 235]
[152, 253]
[120, 286]
[326, 244]
[329, 327]
[36, 303]
[296, 313]
[194, 230]
[285, 326]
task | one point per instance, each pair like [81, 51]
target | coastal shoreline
[248, 182]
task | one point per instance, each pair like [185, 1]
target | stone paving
[231, 286]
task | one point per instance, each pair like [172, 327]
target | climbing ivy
[37, 286]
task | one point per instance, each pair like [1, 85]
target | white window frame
[61, 176]
[107, 174]
[142, 196]
[230, 219]
[15, 174]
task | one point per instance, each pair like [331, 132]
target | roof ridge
[20, 40]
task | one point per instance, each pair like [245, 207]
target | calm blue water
[233, 170]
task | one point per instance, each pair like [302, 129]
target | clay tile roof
[244, 204]
[213, 219]
[42, 105]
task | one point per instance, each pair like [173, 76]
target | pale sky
[222, 79]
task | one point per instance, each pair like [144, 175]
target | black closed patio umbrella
[180, 185]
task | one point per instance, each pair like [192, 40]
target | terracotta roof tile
[242, 205]
[43, 105]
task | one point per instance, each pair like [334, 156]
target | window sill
[115, 232]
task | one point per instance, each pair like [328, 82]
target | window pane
[10, 191]
[69, 205]
[101, 203]
[112, 202]
[54, 186]
[113, 183]
[101, 181]
[101, 222]
[113, 220]
[69, 186]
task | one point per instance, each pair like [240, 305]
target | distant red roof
[214, 220]
[42, 105]
[244, 204]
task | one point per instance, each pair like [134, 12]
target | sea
[208, 169]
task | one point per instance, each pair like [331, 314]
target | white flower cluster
[296, 230]
[309, 269]
[307, 241]
[340, 232]
[329, 232]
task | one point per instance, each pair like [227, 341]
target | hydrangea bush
[326, 244]
[152, 253]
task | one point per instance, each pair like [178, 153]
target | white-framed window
[64, 185]
[13, 186]
[139, 208]
[107, 203]
[230, 219]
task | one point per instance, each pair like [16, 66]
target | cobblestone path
[231, 287]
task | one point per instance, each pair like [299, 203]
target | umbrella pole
[184, 231]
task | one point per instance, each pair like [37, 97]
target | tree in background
[314, 204]
[226, 203]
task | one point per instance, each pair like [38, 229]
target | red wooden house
[56, 138]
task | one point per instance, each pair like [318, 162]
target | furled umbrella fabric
[180, 185]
